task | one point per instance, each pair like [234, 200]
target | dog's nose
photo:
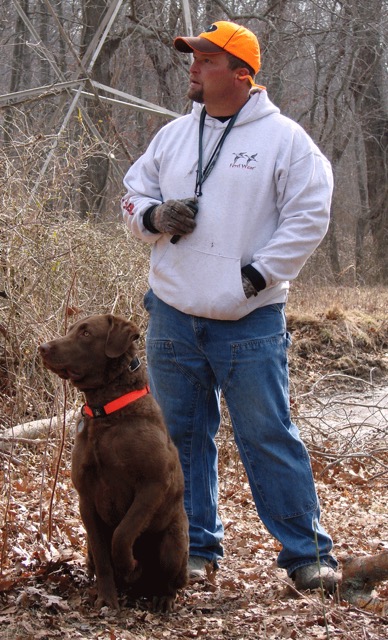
[44, 348]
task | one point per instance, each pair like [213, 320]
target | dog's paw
[90, 566]
[129, 574]
[163, 604]
[107, 600]
[90, 569]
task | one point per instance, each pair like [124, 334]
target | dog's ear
[120, 336]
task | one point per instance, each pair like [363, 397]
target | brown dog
[124, 465]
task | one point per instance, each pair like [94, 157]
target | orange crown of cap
[228, 36]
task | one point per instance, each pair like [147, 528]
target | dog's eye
[85, 333]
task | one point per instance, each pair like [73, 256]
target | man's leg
[184, 385]
[249, 358]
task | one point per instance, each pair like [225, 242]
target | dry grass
[55, 269]
[336, 300]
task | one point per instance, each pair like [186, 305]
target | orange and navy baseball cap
[224, 36]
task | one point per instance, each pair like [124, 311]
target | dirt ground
[44, 590]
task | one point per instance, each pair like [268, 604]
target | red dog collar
[115, 405]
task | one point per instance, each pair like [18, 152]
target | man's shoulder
[181, 122]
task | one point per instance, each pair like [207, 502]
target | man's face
[211, 79]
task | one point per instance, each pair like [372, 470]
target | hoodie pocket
[200, 283]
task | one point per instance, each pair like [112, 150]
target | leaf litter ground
[45, 592]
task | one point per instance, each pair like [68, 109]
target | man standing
[234, 198]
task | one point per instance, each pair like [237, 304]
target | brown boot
[314, 576]
[197, 568]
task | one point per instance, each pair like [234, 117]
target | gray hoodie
[266, 203]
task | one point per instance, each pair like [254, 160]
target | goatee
[196, 95]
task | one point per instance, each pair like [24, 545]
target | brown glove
[175, 216]
[248, 287]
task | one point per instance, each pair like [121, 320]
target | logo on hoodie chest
[243, 160]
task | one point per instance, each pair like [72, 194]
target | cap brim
[202, 45]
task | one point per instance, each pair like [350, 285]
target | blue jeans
[191, 360]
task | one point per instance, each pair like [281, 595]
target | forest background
[84, 86]
[324, 65]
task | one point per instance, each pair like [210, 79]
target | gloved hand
[175, 216]
[248, 287]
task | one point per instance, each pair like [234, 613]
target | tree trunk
[362, 217]
[93, 178]
[360, 576]
[368, 87]
[333, 249]
[17, 68]
[375, 128]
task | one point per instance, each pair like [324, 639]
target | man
[234, 198]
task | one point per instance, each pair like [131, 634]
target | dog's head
[87, 354]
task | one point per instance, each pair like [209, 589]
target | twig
[50, 525]
[320, 580]
[22, 440]
[328, 376]
[382, 619]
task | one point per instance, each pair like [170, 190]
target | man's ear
[242, 74]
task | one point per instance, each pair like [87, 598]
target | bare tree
[323, 62]
[17, 68]
[369, 86]
[93, 178]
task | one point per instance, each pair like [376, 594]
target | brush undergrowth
[55, 269]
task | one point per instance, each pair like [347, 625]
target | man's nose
[194, 67]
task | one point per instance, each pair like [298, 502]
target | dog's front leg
[99, 544]
[137, 520]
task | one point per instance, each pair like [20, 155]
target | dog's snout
[44, 348]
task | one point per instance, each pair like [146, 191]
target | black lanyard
[203, 174]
